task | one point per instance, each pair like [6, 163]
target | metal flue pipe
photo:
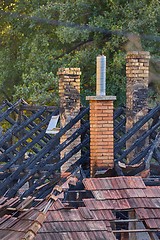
[101, 76]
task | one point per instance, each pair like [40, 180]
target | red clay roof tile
[86, 213]
[152, 223]
[93, 220]
[116, 183]
[104, 214]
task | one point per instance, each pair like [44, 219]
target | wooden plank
[36, 108]
[118, 112]
[9, 110]
[132, 226]
[125, 220]
[120, 126]
[4, 104]
[135, 230]
[156, 155]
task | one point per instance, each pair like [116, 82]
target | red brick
[101, 134]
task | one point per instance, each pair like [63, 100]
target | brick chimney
[137, 73]
[101, 123]
[69, 93]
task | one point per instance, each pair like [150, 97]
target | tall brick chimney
[101, 123]
[137, 73]
[69, 93]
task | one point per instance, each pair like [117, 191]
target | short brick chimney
[101, 123]
[69, 93]
[137, 73]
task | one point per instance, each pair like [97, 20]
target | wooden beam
[153, 236]
[35, 108]
[137, 142]
[55, 166]
[18, 210]
[136, 127]
[135, 230]
[41, 154]
[132, 226]
[125, 220]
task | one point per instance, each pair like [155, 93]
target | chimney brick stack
[69, 93]
[101, 123]
[137, 73]
[101, 133]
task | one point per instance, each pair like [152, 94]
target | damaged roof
[104, 214]
[95, 219]
[100, 210]
[30, 157]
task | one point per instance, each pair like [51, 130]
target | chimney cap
[101, 98]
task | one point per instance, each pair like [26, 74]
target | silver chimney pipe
[101, 76]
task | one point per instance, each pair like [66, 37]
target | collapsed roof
[106, 208]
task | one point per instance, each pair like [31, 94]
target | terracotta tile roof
[109, 195]
[127, 193]
[20, 220]
[74, 224]
[113, 183]
[112, 197]
[16, 222]
[94, 235]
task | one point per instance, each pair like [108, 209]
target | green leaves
[41, 36]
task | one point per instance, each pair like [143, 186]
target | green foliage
[34, 45]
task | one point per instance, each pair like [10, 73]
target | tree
[41, 36]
